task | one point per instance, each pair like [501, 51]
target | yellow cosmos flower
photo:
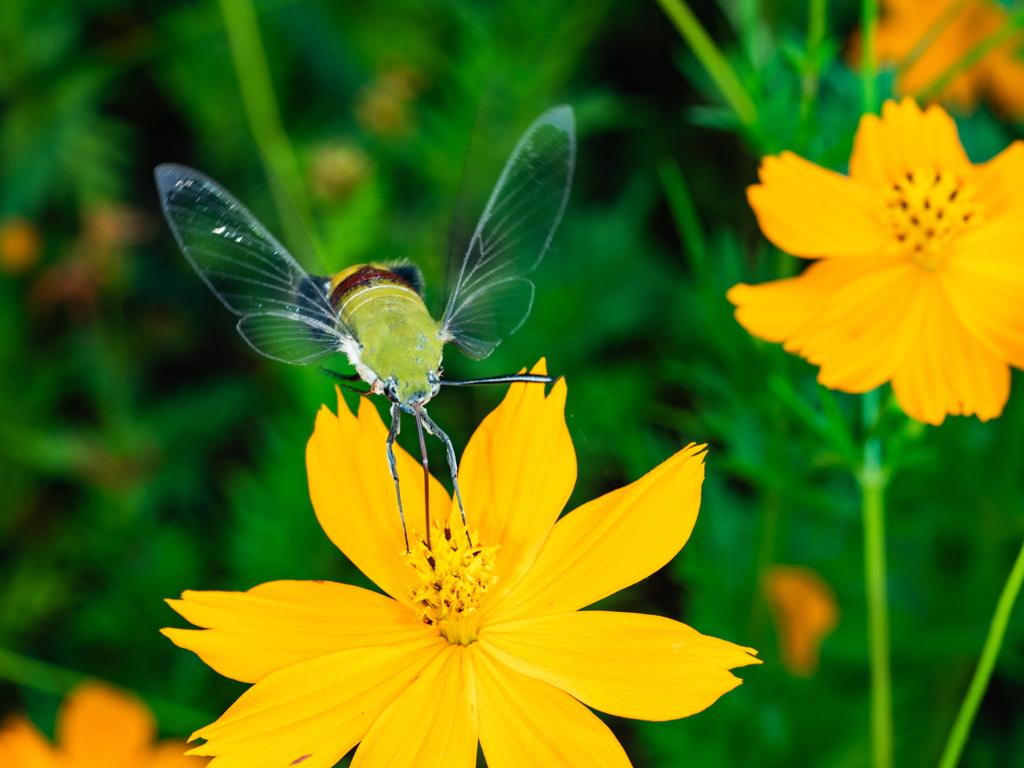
[904, 26]
[480, 641]
[804, 611]
[921, 274]
[97, 727]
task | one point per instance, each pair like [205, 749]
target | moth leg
[341, 376]
[433, 429]
[426, 471]
[396, 425]
[344, 378]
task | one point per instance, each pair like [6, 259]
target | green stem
[983, 673]
[812, 60]
[715, 64]
[768, 525]
[262, 112]
[1007, 30]
[684, 213]
[49, 678]
[868, 68]
[872, 479]
[748, 19]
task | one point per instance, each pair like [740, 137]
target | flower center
[927, 209]
[451, 578]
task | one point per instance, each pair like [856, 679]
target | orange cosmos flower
[21, 245]
[921, 277]
[804, 611]
[903, 29]
[97, 727]
[471, 642]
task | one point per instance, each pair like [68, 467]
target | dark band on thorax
[364, 276]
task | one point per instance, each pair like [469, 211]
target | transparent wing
[248, 269]
[278, 336]
[490, 296]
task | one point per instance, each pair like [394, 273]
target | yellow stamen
[451, 578]
[927, 209]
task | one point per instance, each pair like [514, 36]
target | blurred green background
[145, 449]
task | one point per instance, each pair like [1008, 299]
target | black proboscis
[426, 472]
[396, 425]
[528, 378]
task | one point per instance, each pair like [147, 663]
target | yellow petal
[947, 370]
[101, 727]
[776, 310]
[250, 634]
[984, 276]
[867, 329]
[999, 188]
[433, 724]
[902, 140]
[611, 542]
[313, 712]
[809, 211]
[354, 496]
[171, 754]
[23, 746]
[984, 281]
[527, 723]
[805, 612]
[517, 473]
[626, 664]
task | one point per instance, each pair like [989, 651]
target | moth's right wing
[490, 295]
[285, 313]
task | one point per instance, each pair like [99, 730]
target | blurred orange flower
[385, 105]
[97, 727]
[97, 260]
[336, 169]
[21, 245]
[906, 27]
[471, 642]
[921, 274]
[109, 227]
[804, 611]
